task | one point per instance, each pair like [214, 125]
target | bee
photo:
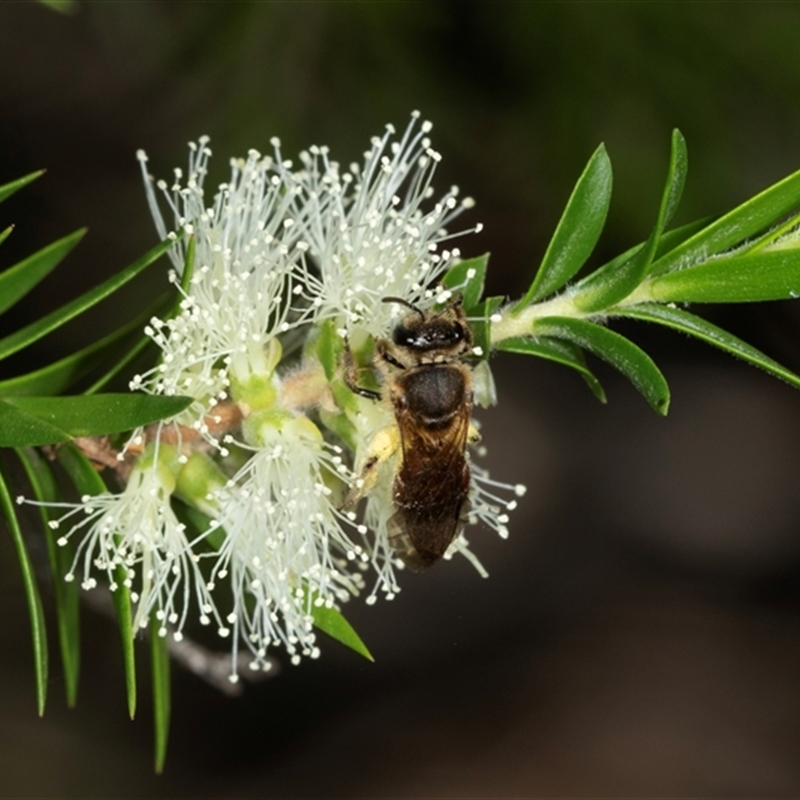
[429, 388]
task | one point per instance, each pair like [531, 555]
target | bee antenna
[403, 302]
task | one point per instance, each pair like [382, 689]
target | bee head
[446, 330]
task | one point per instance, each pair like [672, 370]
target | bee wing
[431, 487]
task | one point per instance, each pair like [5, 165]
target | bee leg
[351, 375]
[385, 353]
[383, 446]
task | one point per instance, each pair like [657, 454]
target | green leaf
[672, 238]
[19, 429]
[607, 286]
[676, 179]
[124, 610]
[120, 365]
[480, 323]
[329, 347]
[683, 321]
[35, 612]
[618, 351]
[4, 234]
[338, 422]
[87, 482]
[668, 241]
[748, 219]
[48, 420]
[186, 275]
[765, 275]
[578, 230]
[45, 490]
[162, 695]
[558, 350]
[17, 281]
[468, 277]
[37, 330]
[9, 188]
[61, 375]
[332, 622]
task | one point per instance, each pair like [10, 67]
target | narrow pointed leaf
[120, 365]
[9, 188]
[577, 231]
[175, 303]
[186, 275]
[765, 275]
[468, 277]
[47, 420]
[339, 423]
[19, 429]
[17, 281]
[37, 330]
[329, 347]
[748, 219]
[558, 350]
[619, 352]
[32, 597]
[162, 692]
[4, 234]
[607, 286]
[87, 481]
[62, 374]
[672, 238]
[680, 320]
[45, 490]
[668, 241]
[65, 373]
[332, 622]
[676, 179]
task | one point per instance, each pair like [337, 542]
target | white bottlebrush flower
[287, 548]
[373, 231]
[277, 254]
[238, 297]
[134, 537]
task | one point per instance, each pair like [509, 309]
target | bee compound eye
[402, 336]
[448, 334]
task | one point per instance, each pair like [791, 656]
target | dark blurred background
[640, 631]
